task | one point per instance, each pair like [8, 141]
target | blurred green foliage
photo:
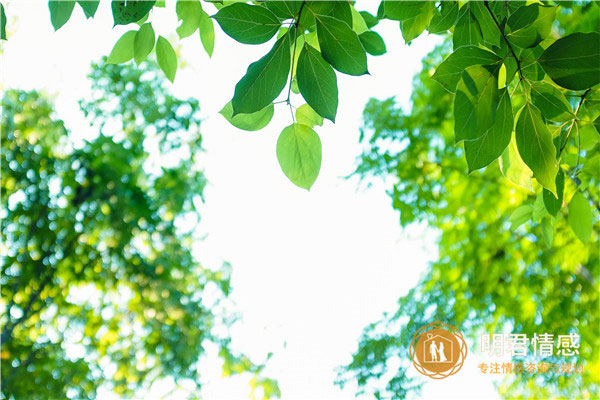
[489, 277]
[99, 284]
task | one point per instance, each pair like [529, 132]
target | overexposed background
[310, 269]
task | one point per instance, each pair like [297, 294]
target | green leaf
[448, 73]
[412, 27]
[339, 10]
[466, 31]
[299, 154]
[264, 79]
[358, 23]
[536, 147]
[60, 12]
[573, 61]
[513, 168]
[597, 124]
[401, 10]
[373, 43]
[123, 49]
[207, 33]
[248, 122]
[539, 210]
[529, 25]
[143, 43]
[305, 115]
[551, 102]
[580, 217]
[340, 46]
[445, 18]
[248, 24]
[547, 232]
[553, 204]
[521, 215]
[481, 152]
[126, 12]
[475, 103]
[166, 57]
[489, 29]
[189, 13]
[2, 23]
[284, 9]
[317, 82]
[369, 19]
[89, 7]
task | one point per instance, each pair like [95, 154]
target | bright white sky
[310, 269]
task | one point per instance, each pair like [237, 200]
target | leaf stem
[573, 122]
[521, 78]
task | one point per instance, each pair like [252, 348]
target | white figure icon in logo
[437, 349]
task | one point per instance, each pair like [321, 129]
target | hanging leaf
[553, 204]
[317, 82]
[466, 31]
[2, 23]
[573, 61]
[521, 215]
[489, 30]
[481, 152]
[60, 12]
[580, 217]
[143, 43]
[89, 7]
[123, 49]
[373, 43]
[127, 12]
[536, 148]
[189, 13]
[445, 18]
[547, 232]
[299, 154]
[448, 73]
[264, 79]
[513, 168]
[475, 103]
[166, 57]
[248, 122]
[284, 9]
[207, 33]
[412, 27]
[247, 23]
[340, 46]
[305, 115]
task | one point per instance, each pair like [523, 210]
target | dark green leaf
[580, 217]
[370, 19]
[60, 12]
[466, 31]
[127, 12]
[573, 61]
[317, 82]
[489, 29]
[143, 43]
[299, 154]
[89, 7]
[248, 24]
[551, 102]
[339, 10]
[481, 152]
[448, 73]
[284, 9]
[264, 79]
[553, 204]
[445, 18]
[475, 103]
[531, 24]
[2, 23]
[373, 43]
[402, 10]
[340, 46]
[123, 49]
[248, 122]
[166, 57]
[536, 148]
